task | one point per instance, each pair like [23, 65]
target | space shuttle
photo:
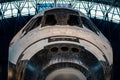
[60, 44]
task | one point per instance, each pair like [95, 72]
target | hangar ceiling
[108, 10]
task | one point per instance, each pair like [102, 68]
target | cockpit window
[32, 24]
[36, 23]
[50, 20]
[73, 20]
[87, 23]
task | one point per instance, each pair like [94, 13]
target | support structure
[101, 9]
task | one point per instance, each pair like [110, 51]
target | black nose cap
[66, 77]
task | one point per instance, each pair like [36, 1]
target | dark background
[9, 27]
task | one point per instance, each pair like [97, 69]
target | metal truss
[91, 8]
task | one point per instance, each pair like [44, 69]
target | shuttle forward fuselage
[60, 44]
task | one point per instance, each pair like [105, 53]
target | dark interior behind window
[73, 20]
[50, 20]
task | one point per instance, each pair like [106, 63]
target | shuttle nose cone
[66, 74]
